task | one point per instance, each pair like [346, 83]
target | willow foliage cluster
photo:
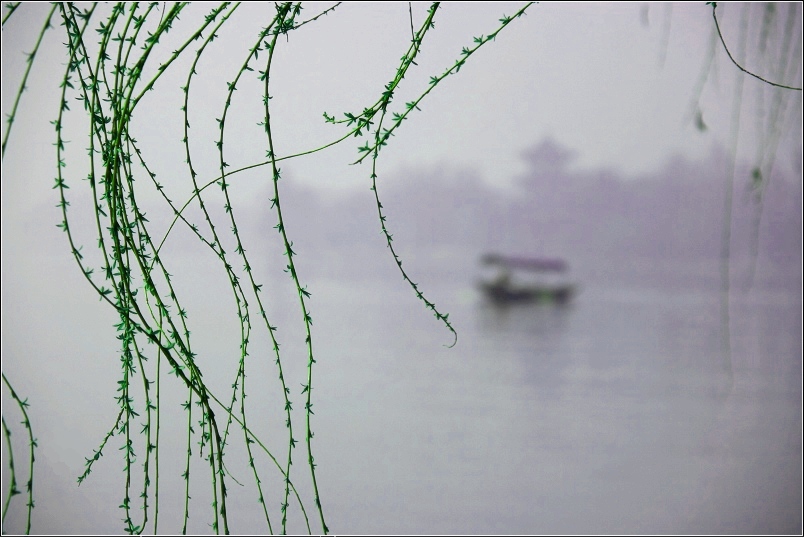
[113, 58]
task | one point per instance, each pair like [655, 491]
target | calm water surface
[614, 415]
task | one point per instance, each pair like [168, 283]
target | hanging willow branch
[114, 56]
[740, 67]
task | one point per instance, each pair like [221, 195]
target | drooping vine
[771, 122]
[32, 444]
[115, 57]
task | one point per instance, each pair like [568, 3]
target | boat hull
[503, 294]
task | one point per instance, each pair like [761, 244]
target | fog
[664, 397]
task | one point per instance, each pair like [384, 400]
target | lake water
[613, 415]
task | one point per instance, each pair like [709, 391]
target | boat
[520, 280]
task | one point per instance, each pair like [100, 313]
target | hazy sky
[613, 82]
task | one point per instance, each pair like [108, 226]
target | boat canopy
[525, 263]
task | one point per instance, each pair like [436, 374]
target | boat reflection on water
[519, 280]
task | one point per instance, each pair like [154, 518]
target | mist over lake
[617, 413]
[389, 268]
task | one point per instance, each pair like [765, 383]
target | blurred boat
[511, 280]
